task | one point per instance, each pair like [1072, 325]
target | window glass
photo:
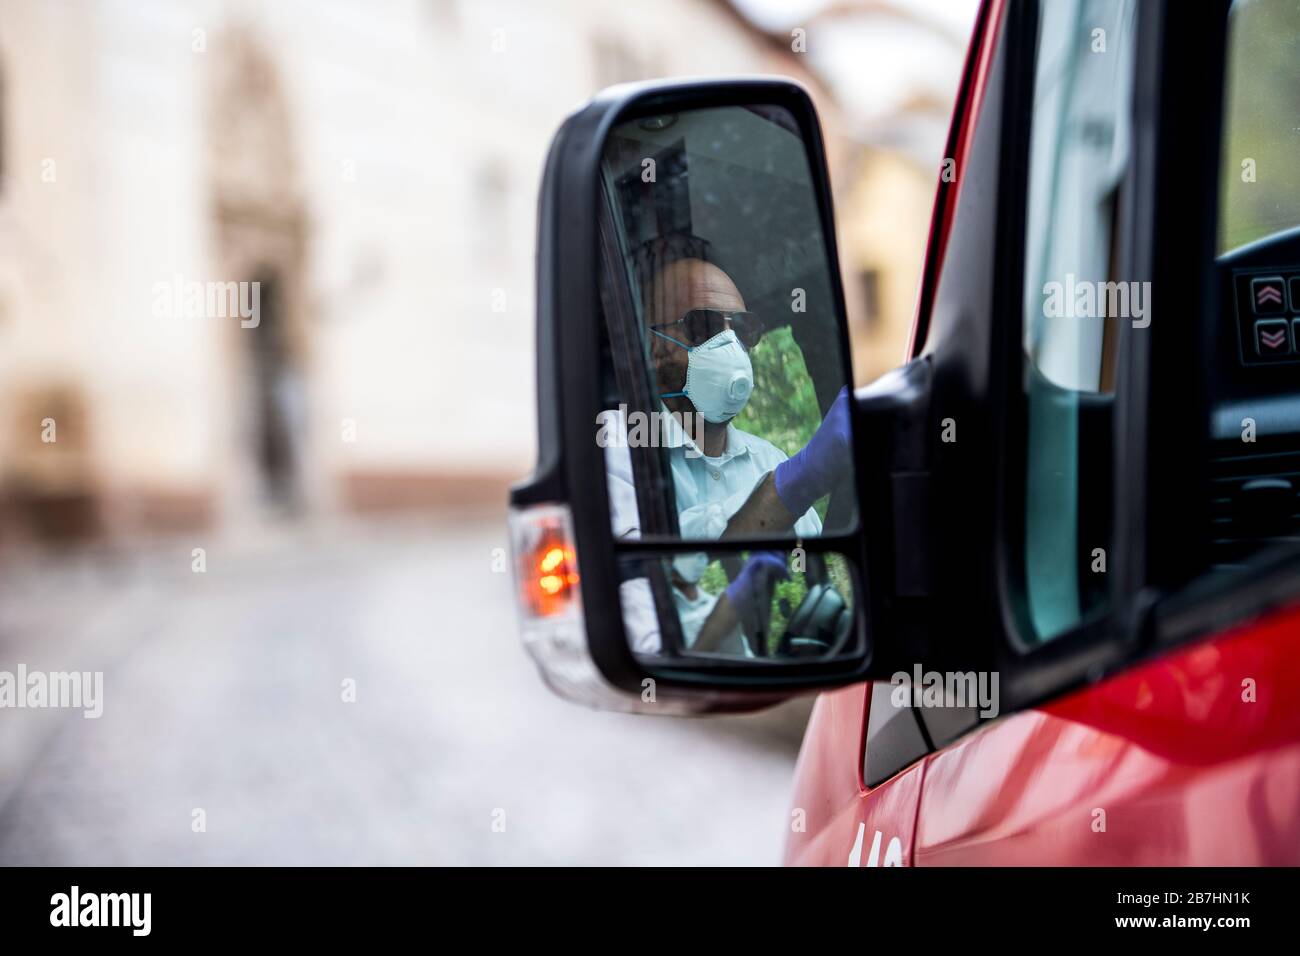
[748, 604]
[725, 403]
[1074, 302]
[1255, 463]
[1260, 189]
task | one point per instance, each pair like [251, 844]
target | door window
[1074, 301]
[1260, 186]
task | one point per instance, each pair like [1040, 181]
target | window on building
[492, 211]
[4, 143]
[869, 298]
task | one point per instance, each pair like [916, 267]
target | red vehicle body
[1160, 764]
[1186, 775]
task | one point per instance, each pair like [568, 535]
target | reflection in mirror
[741, 605]
[726, 409]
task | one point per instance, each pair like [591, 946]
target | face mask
[690, 567]
[719, 376]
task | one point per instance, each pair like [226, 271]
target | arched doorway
[278, 416]
[260, 238]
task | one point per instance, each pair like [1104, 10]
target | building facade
[364, 176]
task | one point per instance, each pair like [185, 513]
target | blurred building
[373, 169]
[892, 67]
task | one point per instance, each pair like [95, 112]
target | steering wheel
[818, 626]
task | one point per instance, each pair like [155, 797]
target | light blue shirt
[708, 490]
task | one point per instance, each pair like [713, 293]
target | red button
[1268, 296]
[1273, 337]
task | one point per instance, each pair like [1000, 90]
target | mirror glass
[747, 605]
[725, 407]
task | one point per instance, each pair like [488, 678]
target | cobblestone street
[222, 691]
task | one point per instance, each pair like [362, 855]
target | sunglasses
[700, 325]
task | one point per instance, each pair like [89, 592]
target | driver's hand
[815, 468]
[750, 593]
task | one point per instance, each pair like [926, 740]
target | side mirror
[691, 538]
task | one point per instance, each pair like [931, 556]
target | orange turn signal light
[551, 575]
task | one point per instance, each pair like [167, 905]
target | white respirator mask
[691, 567]
[719, 376]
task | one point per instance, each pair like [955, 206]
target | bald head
[674, 290]
[687, 284]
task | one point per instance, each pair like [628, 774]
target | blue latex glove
[815, 468]
[753, 584]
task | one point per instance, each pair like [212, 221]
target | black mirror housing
[593, 642]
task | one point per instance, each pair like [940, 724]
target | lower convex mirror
[738, 605]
